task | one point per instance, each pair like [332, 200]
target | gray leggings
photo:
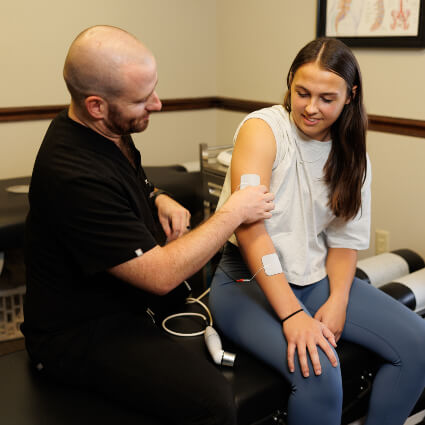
[374, 320]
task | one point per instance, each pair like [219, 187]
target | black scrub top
[89, 211]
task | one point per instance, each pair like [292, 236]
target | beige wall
[174, 137]
[233, 48]
[34, 38]
[257, 42]
[398, 187]
[18, 147]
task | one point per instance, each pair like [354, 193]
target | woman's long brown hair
[345, 169]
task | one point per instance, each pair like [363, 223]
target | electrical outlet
[382, 241]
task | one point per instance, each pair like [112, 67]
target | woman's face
[317, 99]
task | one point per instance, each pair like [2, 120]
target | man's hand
[253, 203]
[174, 218]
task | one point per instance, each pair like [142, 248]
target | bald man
[96, 255]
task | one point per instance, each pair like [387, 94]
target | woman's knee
[316, 400]
[408, 339]
[414, 352]
[322, 391]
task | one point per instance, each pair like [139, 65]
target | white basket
[11, 312]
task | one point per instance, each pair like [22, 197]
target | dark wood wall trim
[404, 126]
[415, 128]
[189, 104]
[29, 113]
[240, 105]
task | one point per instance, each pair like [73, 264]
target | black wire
[230, 277]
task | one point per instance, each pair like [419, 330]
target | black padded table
[27, 398]
[13, 211]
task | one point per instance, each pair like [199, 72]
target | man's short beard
[118, 126]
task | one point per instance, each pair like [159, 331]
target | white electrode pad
[271, 264]
[249, 180]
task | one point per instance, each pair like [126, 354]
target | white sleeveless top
[302, 226]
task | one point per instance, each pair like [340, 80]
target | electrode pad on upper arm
[249, 180]
[271, 264]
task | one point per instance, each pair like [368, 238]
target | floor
[413, 420]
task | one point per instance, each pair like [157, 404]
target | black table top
[13, 211]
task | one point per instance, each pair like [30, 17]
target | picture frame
[373, 23]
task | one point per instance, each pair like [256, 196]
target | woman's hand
[332, 314]
[174, 218]
[341, 267]
[304, 334]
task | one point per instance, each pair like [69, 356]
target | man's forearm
[161, 269]
[191, 252]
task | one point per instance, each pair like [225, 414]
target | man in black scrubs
[95, 250]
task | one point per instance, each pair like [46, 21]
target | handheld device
[213, 342]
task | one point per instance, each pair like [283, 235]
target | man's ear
[352, 96]
[96, 107]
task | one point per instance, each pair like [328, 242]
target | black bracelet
[153, 195]
[293, 314]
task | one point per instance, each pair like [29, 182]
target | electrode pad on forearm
[249, 180]
[271, 264]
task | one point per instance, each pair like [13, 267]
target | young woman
[311, 152]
